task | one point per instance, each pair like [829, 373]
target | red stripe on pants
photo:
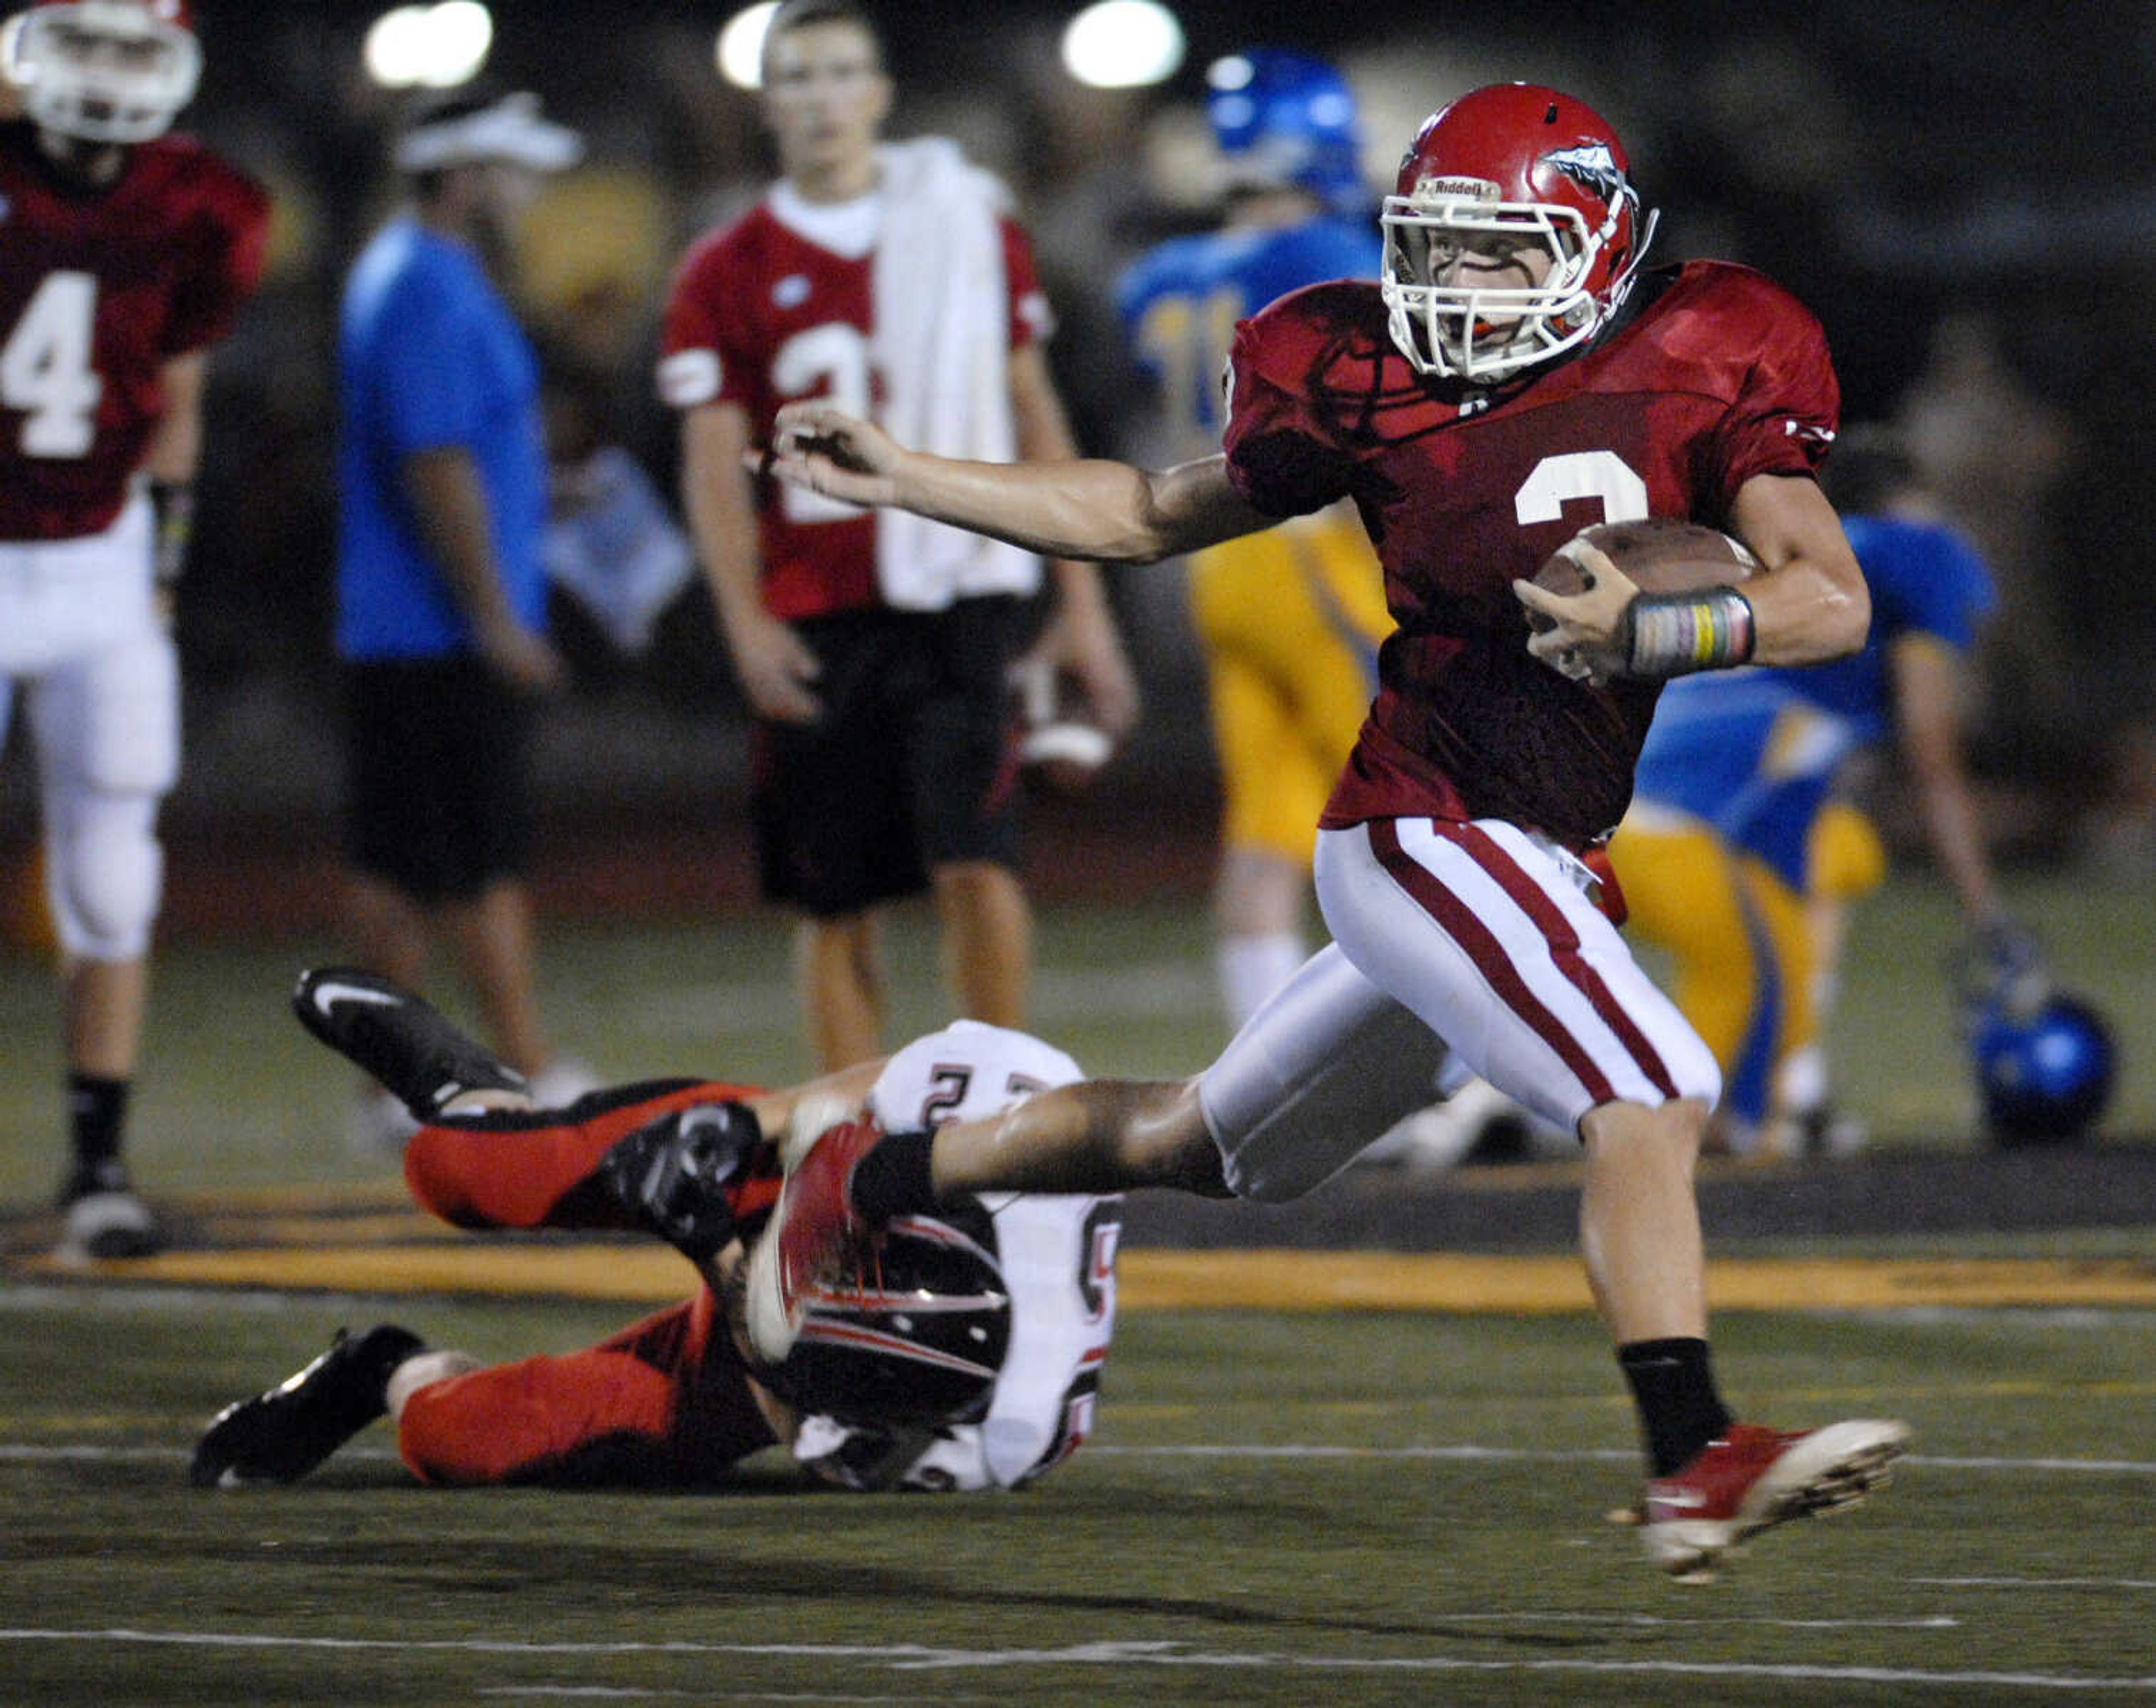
[1463, 926]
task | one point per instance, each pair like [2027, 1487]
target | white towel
[942, 343]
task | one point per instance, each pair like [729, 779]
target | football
[1059, 742]
[1660, 555]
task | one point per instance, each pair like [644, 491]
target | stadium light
[430, 47]
[1123, 45]
[740, 50]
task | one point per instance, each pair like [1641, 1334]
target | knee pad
[105, 875]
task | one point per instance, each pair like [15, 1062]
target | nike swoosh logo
[1683, 1500]
[328, 996]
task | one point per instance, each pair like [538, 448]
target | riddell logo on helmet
[1455, 190]
[1592, 166]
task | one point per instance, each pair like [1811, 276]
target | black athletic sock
[97, 1113]
[892, 1180]
[1680, 1412]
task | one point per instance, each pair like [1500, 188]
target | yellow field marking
[1374, 1281]
[1153, 1279]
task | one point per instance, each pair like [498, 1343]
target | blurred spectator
[875, 656]
[442, 596]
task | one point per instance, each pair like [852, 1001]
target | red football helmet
[1504, 170]
[104, 70]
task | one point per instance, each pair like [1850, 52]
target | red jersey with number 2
[1716, 375]
[761, 315]
[99, 288]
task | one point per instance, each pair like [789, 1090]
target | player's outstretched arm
[1108, 512]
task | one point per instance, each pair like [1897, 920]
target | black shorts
[437, 756]
[913, 764]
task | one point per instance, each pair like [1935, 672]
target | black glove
[671, 1174]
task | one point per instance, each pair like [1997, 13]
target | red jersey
[1718, 375]
[761, 315]
[99, 288]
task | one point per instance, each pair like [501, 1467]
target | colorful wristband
[1674, 634]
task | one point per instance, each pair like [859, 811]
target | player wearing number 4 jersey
[125, 252]
[1514, 377]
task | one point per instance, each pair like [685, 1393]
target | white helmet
[103, 71]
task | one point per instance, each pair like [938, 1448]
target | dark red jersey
[99, 288]
[1718, 375]
[761, 315]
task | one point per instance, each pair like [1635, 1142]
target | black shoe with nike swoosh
[281, 1435]
[398, 1037]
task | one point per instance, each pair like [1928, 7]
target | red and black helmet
[919, 1338]
[104, 70]
[1509, 167]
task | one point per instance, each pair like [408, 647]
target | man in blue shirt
[441, 597]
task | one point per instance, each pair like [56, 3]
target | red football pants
[666, 1401]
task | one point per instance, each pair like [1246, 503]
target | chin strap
[1675, 634]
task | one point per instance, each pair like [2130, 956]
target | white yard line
[34, 1452]
[913, 1657]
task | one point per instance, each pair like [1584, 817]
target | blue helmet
[2046, 1075]
[1285, 119]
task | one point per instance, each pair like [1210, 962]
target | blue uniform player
[1737, 855]
[1291, 619]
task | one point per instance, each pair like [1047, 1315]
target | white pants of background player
[81, 646]
[1478, 940]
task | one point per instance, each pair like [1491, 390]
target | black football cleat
[280, 1436]
[672, 1173]
[402, 1039]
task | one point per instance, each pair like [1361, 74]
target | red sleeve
[228, 237]
[1279, 456]
[703, 351]
[1786, 411]
[1032, 319]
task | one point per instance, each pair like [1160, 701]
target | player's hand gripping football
[823, 448]
[1583, 635]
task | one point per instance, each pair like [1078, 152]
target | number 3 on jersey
[45, 367]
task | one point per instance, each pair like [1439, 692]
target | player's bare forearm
[1811, 604]
[1085, 508]
[1927, 695]
[175, 450]
[1105, 512]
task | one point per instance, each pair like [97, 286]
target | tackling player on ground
[125, 254]
[972, 1361]
[1514, 377]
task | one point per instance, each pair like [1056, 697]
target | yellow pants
[1747, 963]
[1289, 621]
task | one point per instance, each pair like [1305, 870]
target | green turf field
[1305, 1507]
[1364, 1508]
